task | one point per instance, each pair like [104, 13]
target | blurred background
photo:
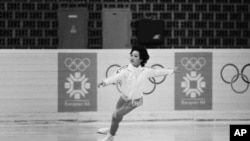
[53, 53]
[41, 24]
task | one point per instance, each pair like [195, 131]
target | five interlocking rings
[77, 64]
[236, 77]
[193, 63]
[152, 80]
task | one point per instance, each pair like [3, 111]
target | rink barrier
[29, 86]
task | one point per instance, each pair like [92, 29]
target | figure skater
[133, 78]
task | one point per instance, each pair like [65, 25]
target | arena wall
[29, 86]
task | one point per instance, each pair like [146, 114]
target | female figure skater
[133, 78]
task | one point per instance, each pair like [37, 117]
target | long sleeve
[159, 72]
[114, 78]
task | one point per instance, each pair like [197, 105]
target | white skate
[104, 131]
[108, 137]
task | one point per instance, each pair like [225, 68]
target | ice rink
[128, 131]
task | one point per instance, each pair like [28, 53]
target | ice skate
[104, 131]
[108, 137]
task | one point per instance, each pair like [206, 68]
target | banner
[193, 86]
[77, 90]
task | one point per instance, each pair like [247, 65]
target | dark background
[33, 24]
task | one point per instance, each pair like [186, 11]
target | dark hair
[143, 53]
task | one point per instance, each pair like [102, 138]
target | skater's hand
[103, 84]
[177, 70]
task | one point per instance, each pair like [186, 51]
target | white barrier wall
[28, 81]
[225, 98]
[29, 85]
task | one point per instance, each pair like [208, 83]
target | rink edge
[134, 116]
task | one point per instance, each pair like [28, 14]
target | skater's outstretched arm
[161, 72]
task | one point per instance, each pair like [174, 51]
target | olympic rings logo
[193, 63]
[77, 64]
[115, 68]
[238, 74]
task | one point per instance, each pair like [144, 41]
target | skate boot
[104, 131]
[108, 137]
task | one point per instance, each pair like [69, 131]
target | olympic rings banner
[193, 86]
[77, 82]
